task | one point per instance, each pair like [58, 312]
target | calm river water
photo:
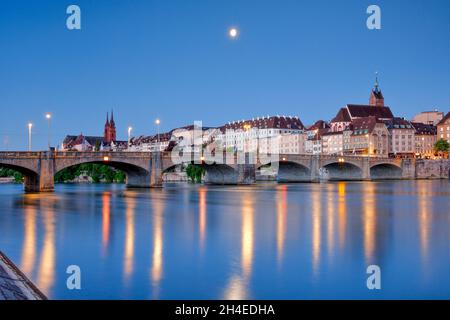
[293, 241]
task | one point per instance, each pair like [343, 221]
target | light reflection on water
[293, 241]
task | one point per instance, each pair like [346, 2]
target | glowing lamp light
[202, 158]
[341, 160]
[48, 116]
[106, 158]
[284, 159]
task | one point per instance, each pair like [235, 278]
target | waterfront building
[366, 136]
[260, 134]
[402, 141]
[428, 117]
[292, 143]
[443, 128]
[333, 143]
[425, 137]
[108, 142]
[313, 143]
[375, 108]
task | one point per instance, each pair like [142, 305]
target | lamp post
[129, 136]
[157, 122]
[48, 116]
[30, 125]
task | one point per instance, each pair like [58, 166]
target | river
[268, 241]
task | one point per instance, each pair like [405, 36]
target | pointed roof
[342, 116]
[112, 123]
[107, 119]
[362, 111]
[444, 119]
[376, 92]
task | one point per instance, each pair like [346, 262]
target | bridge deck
[14, 285]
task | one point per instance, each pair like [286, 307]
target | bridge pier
[315, 168]
[44, 180]
[408, 168]
[365, 169]
[151, 178]
[246, 173]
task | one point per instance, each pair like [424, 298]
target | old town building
[96, 143]
[350, 112]
[402, 141]
[443, 128]
[428, 117]
[367, 136]
[425, 139]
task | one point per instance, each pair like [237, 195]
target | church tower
[109, 134]
[376, 97]
[112, 127]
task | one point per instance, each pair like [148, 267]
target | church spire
[376, 97]
[107, 119]
[112, 118]
[376, 86]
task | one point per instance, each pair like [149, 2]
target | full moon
[233, 32]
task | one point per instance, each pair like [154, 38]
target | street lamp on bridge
[48, 116]
[157, 122]
[129, 135]
[30, 126]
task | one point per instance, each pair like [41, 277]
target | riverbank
[14, 285]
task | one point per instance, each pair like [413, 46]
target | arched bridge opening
[341, 171]
[385, 171]
[30, 177]
[287, 171]
[136, 176]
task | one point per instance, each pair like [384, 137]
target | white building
[262, 134]
[333, 143]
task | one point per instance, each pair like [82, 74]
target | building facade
[402, 140]
[425, 138]
[443, 128]
[429, 117]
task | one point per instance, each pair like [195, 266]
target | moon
[233, 33]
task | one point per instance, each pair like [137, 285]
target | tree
[441, 146]
[195, 173]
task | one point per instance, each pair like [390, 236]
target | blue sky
[172, 59]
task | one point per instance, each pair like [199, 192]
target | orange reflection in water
[282, 207]
[369, 221]
[106, 219]
[316, 198]
[330, 218]
[237, 288]
[342, 211]
[157, 256]
[202, 215]
[130, 203]
[29, 243]
[424, 218]
[46, 273]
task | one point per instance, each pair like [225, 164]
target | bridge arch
[385, 171]
[290, 171]
[340, 171]
[30, 176]
[136, 176]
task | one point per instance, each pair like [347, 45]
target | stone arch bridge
[145, 169]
